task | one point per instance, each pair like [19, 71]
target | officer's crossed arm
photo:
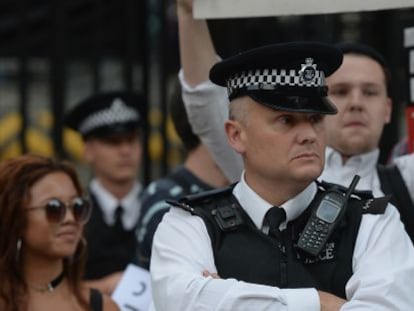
[328, 301]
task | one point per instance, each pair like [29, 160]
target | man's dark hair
[180, 119]
[365, 50]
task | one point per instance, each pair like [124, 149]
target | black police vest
[243, 252]
[109, 249]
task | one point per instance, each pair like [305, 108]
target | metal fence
[53, 53]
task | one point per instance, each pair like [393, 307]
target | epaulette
[206, 196]
[190, 201]
[375, 206]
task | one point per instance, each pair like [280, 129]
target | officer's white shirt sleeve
[406, 165]
[383, 265]
[207, 109]
[182, 251]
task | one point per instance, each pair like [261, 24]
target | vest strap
[393, 183]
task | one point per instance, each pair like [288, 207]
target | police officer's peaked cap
[288, 76]
[107, 114]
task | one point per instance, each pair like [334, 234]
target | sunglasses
[56, 210]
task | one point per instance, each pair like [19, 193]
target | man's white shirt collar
[336, 171]
[108, 203]
[256, 207]
[334, 158]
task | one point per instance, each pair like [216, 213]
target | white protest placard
[256, 8]
[133, 292]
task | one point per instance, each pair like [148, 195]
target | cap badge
[307, 72]
[117, 106]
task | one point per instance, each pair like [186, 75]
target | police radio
[324, 219]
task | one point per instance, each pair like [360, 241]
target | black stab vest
[109, 249]
[243, 252]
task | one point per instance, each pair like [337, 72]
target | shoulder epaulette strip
[181, 205]
[195, 199]
[191, 201]
[375, 206]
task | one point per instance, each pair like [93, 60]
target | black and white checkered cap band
[118, 112]
[274, 77]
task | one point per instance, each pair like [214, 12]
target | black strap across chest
[393, 183]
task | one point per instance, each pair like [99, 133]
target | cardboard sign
[256, 8]
[133, 292]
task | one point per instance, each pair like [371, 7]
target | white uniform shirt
[383, 265]
[108, 203]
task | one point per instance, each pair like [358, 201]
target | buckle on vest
[227, 217]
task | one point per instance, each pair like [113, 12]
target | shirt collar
[256, 207]
[362, 161]
[109, 203]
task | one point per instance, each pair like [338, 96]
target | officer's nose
[307, 133]
[125, 146]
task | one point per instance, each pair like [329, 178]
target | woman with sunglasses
[42, 251]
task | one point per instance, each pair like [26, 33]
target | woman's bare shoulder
[109, 304]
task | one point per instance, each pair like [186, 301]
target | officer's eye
[316, 118]
[285, 119]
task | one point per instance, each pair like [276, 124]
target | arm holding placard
[206, 103]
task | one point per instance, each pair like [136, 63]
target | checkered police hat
[288, 76]
[106, 114]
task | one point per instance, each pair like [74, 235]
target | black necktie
[274, 217]
[118, 217]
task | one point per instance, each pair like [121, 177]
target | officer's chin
[309, 173]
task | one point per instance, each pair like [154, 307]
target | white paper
[133, 292]
[256, 8]
[409, 37]
[411, 61]
[412, 90]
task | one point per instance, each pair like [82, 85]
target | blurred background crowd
[54, 53]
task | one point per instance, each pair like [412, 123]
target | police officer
[269, 237]
[110, 124]
[359, 89]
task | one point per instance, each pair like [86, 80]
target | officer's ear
[235, 134]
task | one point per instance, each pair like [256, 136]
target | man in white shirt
[359, 89]
[110, 124]
[278, 104]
